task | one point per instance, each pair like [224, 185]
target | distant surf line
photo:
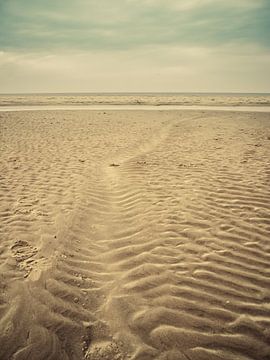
[135, 107]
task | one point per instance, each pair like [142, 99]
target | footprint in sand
[107, 350]
[23, 252]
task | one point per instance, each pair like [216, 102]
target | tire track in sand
[52, 309]
[163, 257]
[191, 259]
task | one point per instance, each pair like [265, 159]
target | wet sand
[134, 235]
[105, 107]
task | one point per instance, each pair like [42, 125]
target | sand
[134, 235]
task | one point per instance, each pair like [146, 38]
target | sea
[233, 101]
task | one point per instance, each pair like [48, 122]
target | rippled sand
[134, 235]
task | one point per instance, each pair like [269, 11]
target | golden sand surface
[140, 235]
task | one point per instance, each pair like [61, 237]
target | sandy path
[165, 256]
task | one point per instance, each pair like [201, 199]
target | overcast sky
[134, 45]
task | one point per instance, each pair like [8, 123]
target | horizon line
[134, 92]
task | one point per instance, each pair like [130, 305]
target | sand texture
[134, 235]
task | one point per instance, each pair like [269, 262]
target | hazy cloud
[109, 45]
[165, 68]
[122, 24]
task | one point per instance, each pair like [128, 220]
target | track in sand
[165, 256]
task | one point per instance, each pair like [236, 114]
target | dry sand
[134, 235]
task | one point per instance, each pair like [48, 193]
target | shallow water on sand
[134, 107]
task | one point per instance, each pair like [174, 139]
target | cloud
[134, 45]
[195, 4]
[167, 68]
[126, 24]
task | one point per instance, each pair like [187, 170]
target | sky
[134, 46]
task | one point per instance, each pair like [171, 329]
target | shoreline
[119, 107]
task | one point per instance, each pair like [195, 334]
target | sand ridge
[165, 256]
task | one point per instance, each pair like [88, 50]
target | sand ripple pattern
[133, 237]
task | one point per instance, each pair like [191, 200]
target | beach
[128, 99]
[138, 235]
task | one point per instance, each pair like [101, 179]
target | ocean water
[162, 94]
[129, 101]
[134, 107]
